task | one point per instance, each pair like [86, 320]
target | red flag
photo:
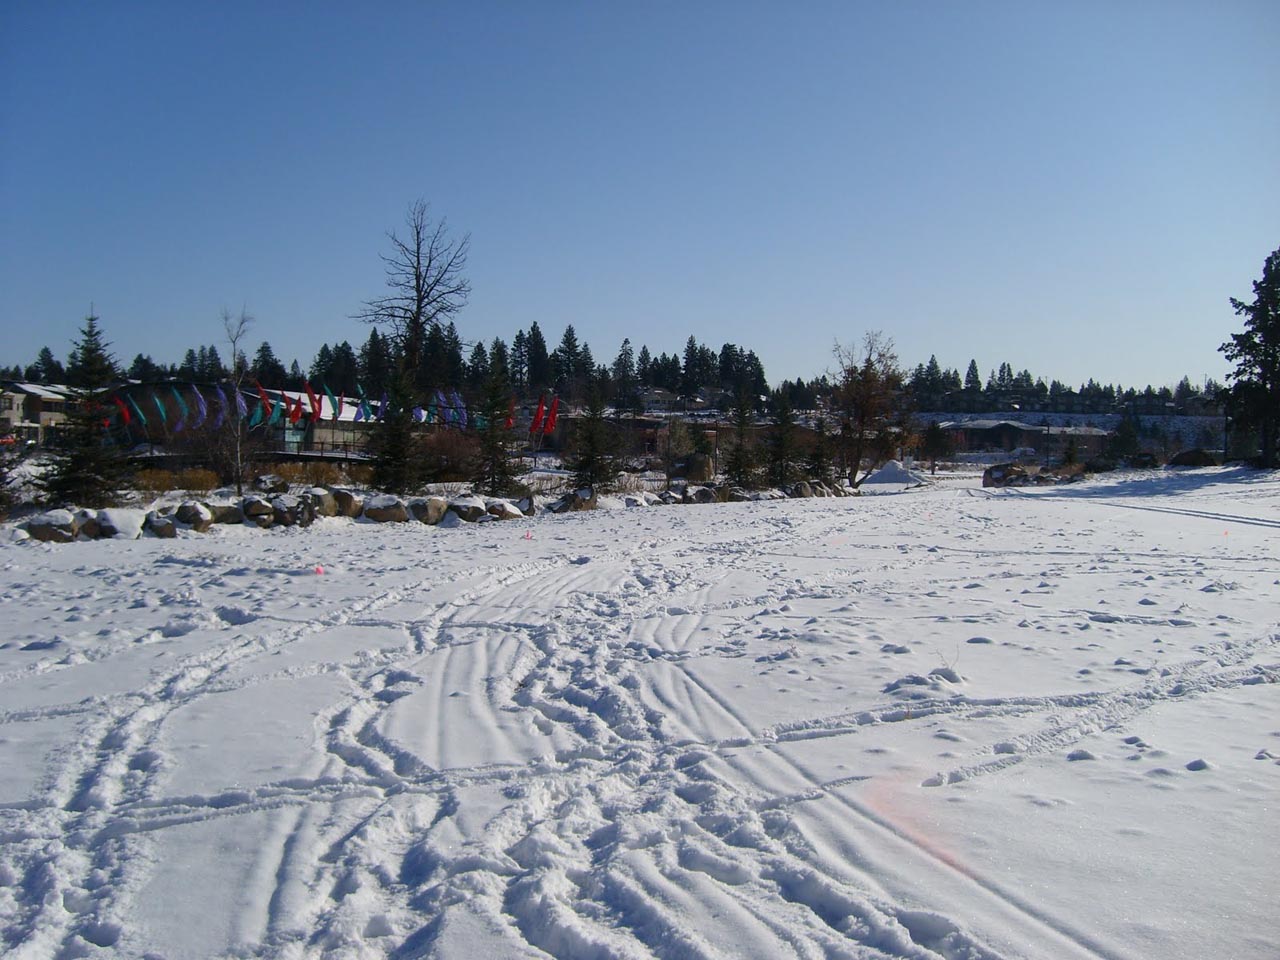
[124, 411]
[537, 417]
[295, 412]
[266, 401]
[315, 401]
[511, 414]
[551, 416]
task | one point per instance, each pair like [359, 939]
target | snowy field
[1037, 723]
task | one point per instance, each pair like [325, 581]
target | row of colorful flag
[447, 409]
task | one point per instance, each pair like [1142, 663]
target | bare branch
[425, 274]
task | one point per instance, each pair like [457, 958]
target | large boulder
[739, 495]
[583, 499]
[699, 495]
[226, 512]
[1003, 475]
[121, 523]
[669, 497]
[802, 490]
[161, 525]
[322, 502]
[386, 508]
[469, 508]
[1193, 458]
[195, 515]
[291, 511]
[86, 523]
[503, 509]
[428, 510]
[258, 511]
[56, 526]
[348, 503]
[270, 483]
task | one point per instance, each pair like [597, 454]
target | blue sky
[1072, 188]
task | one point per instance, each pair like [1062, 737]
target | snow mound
[894, 472]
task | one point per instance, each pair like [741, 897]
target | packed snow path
[952, 723]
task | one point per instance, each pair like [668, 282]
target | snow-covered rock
[469, 508]
[386, 508]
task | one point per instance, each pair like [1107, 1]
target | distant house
[32, 411]
[1010, 435]
[994, 434]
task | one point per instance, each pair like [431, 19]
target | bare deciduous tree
[426, 283]
[235, 329]
[871, 402]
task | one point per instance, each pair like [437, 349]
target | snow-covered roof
[41, 390]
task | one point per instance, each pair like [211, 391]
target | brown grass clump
[312, 474]
[197, 480]
[155, 481]
[360, 474]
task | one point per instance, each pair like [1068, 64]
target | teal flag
[333, 402]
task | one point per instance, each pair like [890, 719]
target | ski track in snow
[599, 742]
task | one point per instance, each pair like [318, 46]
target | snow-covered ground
[1036, 723]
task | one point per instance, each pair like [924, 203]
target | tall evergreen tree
[47, 369]
[782, 449]
[321, 365]
[88, 465]
[625, 384]
[972, 378]
[375, 365]
[539, 360]
[1255, 381]
[145, 369]
[740, 465]
[594, 458]
[455, 365]
[478, 367]
[520, 362]
[495, 474]
[210, 368]
[393, 442]
[345, 371]
[820, 464]
[267, 368]
[566, 363]
[500, 359]
[643, 363]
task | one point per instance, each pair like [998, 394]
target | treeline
[571, 370]
[447, 362]
[934, 388]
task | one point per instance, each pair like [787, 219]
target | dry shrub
[449, 456]
[197, 480]
[155, 481]
[317, 473]
[360, 474]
